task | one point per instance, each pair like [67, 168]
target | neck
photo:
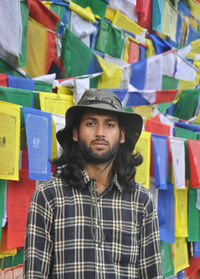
[102, 180]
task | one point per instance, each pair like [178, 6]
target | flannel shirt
[59, 243]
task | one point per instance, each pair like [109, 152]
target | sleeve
[38, 246]
[150, 258]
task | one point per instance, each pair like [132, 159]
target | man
[92, 220]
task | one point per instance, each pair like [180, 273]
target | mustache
[100, 141]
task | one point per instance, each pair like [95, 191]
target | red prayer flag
[134, 52]
[3, 80]
[40, 13]
[194, 158]
[19, 196]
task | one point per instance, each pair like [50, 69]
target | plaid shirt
[59, 244]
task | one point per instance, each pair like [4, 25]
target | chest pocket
[124, 246]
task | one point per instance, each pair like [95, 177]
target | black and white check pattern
[59, 244]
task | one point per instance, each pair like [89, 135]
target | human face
[99, 136]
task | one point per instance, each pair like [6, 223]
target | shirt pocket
[124, 246]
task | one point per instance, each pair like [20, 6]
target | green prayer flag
[76, 55]
[42, 86]
[59, 11]
[166, 259]
[2, 201]
[98, 7]
[110, 40]
[185, 133]
[187, 104]
[5, 68]
[193, 217]
[22, 61]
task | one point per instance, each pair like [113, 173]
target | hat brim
[131, 122]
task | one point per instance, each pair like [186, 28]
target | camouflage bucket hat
[105, 100]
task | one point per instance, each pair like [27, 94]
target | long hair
[69, 165]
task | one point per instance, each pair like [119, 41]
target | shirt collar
[114, 181]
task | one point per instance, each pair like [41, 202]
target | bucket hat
[105, 100]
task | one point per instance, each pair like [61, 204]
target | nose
[100, 132]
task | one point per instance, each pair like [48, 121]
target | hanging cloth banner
[9, 141]
[160, 154]
[19, 196]
[166, 257]
[181, 212]
[166, 217]
[20, 82]
[3, 80]
[177, 148]
[143, 146]
[110, 40]
[193, 217]
[54, 103]
[98, 7]
[180, 254]
[39, 137]
[194, 158]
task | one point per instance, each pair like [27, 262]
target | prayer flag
[177, 148]
[166, 217]
[20, 82]
[166, 257]
[160, 153]
[180, 254]
[39, 138]
[143, 146]
[194, 158]
[2, 202]
[19, 196]
[193, 217]
[181, 212]
[9, 141]
[55, 103]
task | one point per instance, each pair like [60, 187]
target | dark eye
[90, 123]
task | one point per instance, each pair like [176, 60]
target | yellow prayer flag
[47, 4]
[9, 141]
[63, 90]
[110, 13]
[183, 84]
[169, 20]
[143, 146]
[146, 111]
[36, 49]
[150, 48]
[85, 13]
[181, 212]
[126, 51]
[195, 8]
[112, 74]
[180, 254]
[125, 23]
[54, 103]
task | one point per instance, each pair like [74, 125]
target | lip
[99, 143]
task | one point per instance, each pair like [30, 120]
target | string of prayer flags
[9, 141]
[160, 153]
[39, 137]
[55, 103]
[166, 217]
[181, 212]
[177, 148]
[166, 257]
[143, 146]
[180, 254]
[193, 217]
[19, 196]
[194, 159]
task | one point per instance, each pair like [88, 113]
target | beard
[93, 158]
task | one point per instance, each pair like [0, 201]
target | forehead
[95, 114]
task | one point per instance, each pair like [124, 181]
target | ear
[75, 134]
[122, 135]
